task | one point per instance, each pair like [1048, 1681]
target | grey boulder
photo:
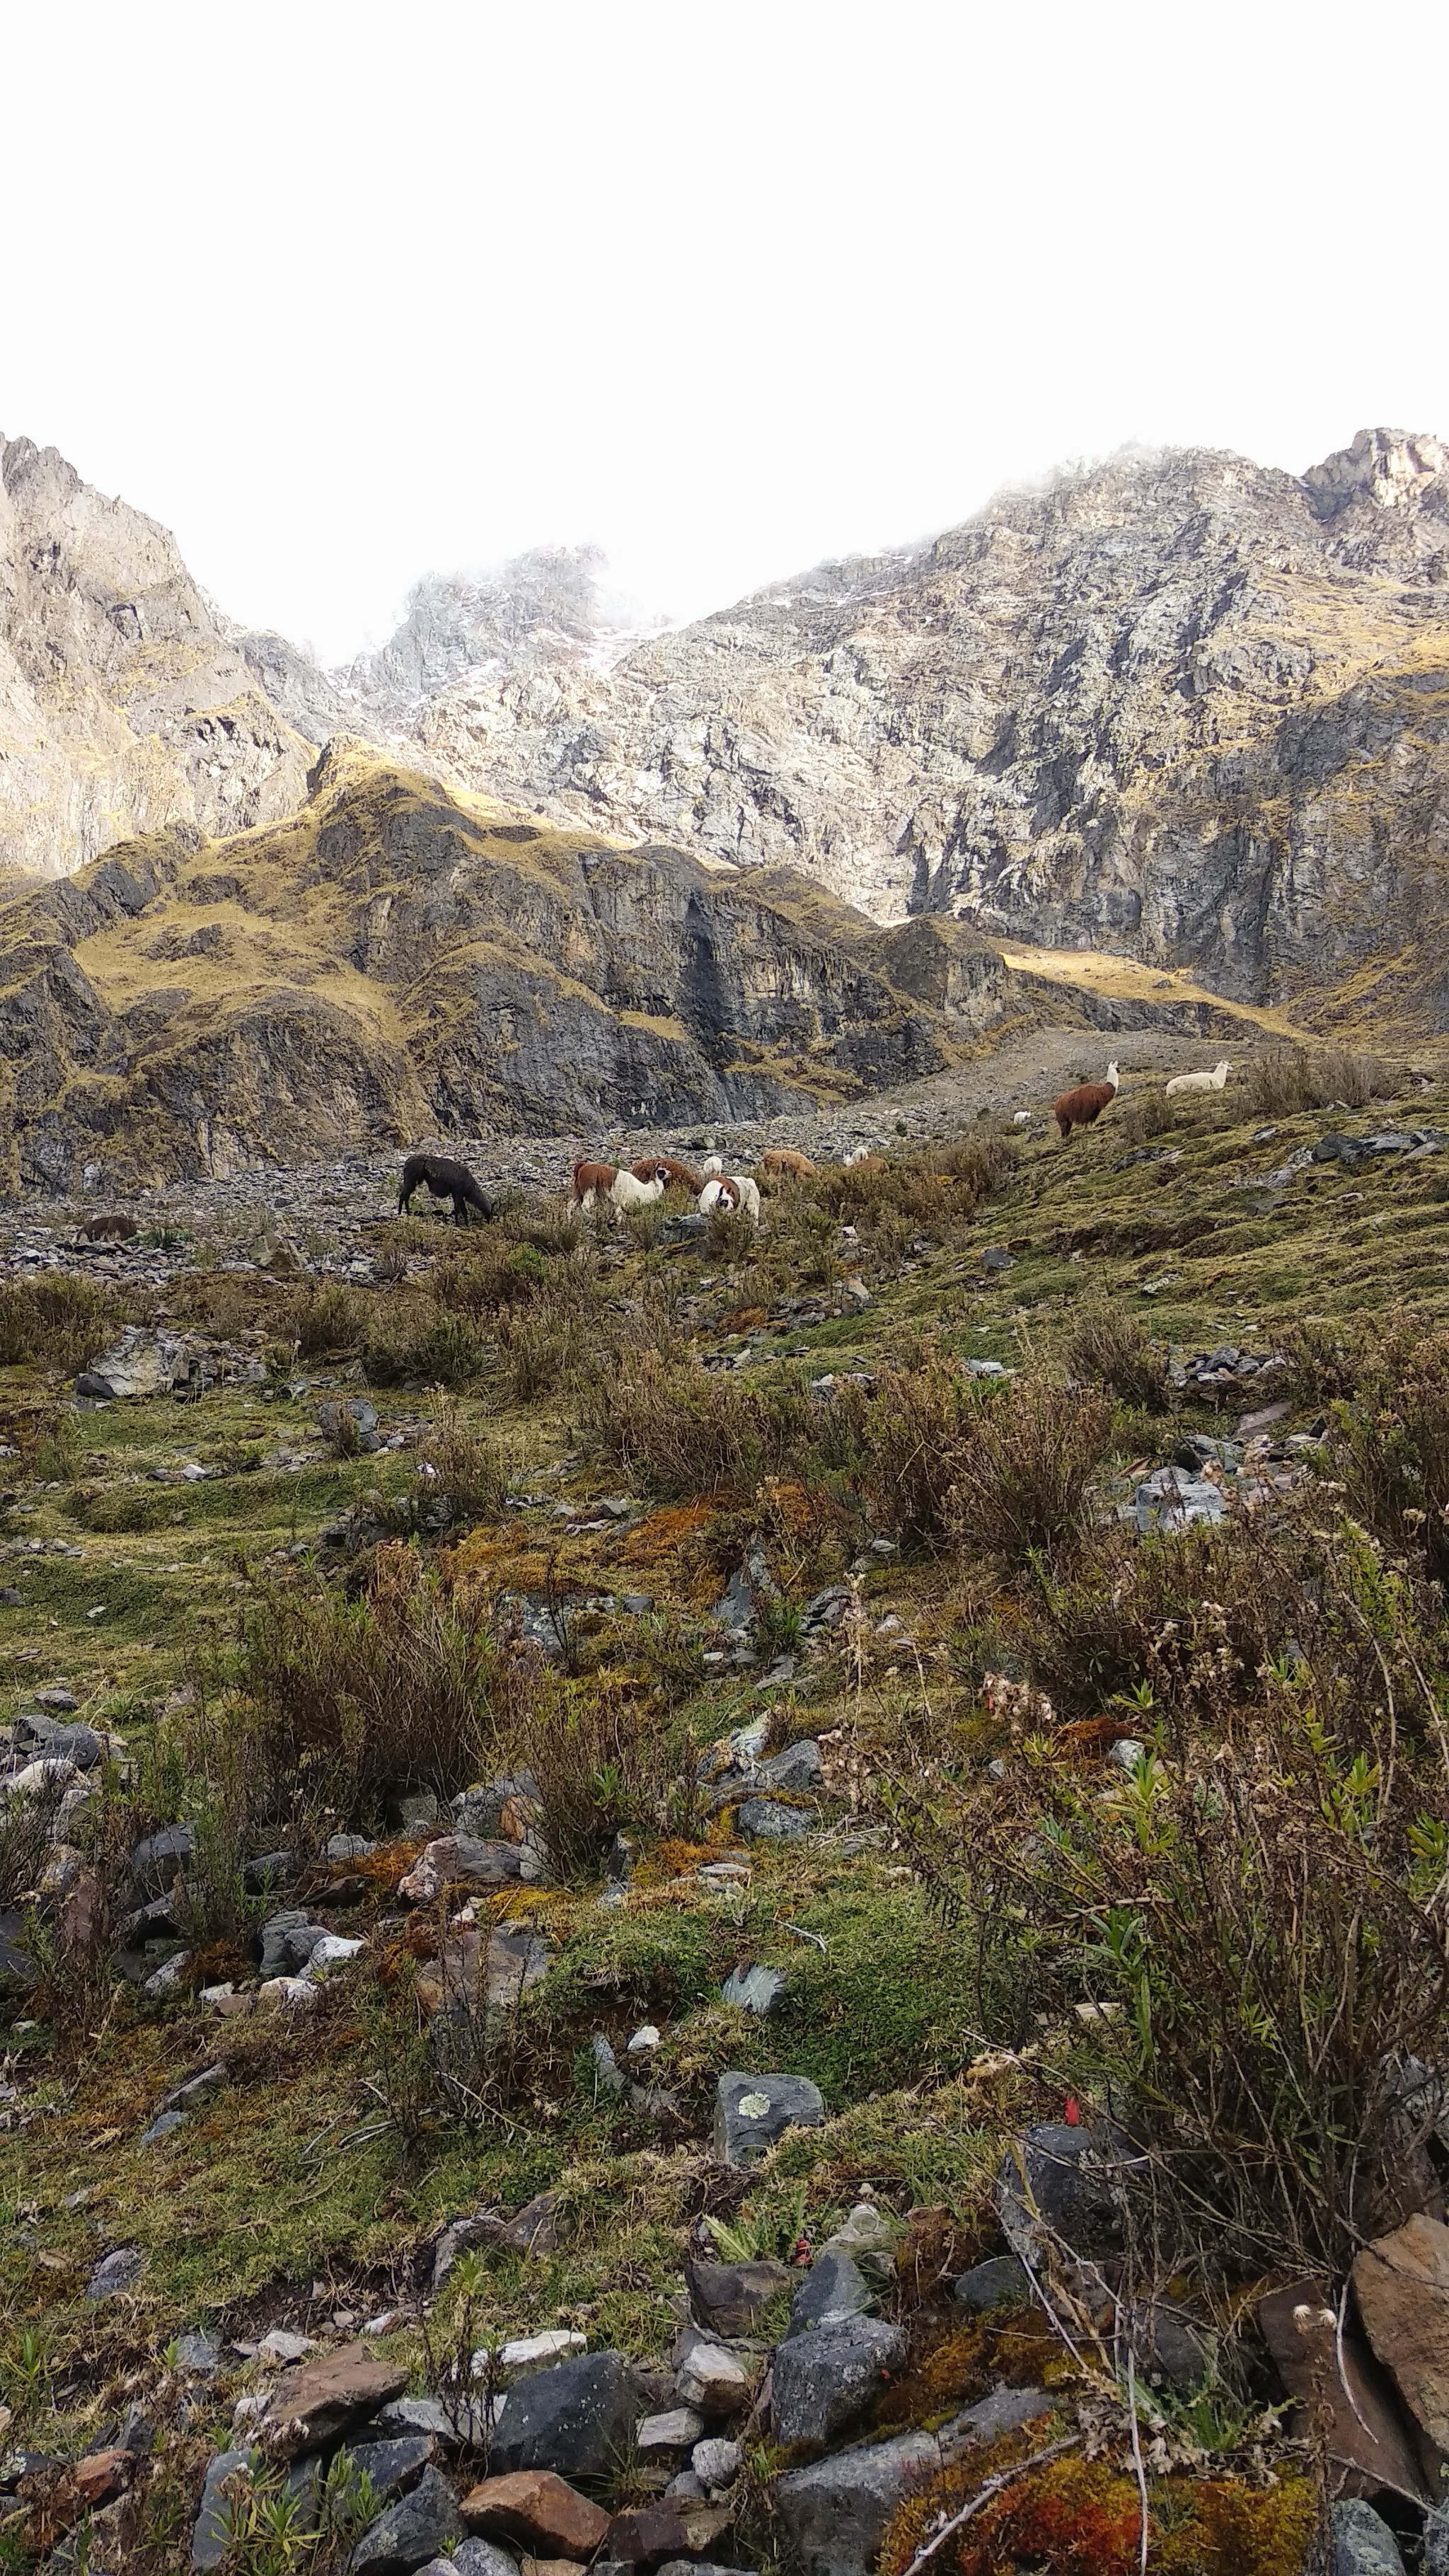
[824, 2379]
[1061, 2189]
[391, 2466]
[1362, 2542]
[116, 2273]
[999, 2282]
[833, 2288]
[836, 2510]
[577, 2419]
[473, 2558]
[209, 2531]
[752, 2111]
[418, 2527]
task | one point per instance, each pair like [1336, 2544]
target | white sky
[345, 293]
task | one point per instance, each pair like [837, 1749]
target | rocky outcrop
[394, 962]
[1180, 705]
[546, 609]
[124, 707]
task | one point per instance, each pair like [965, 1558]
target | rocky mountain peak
[547, 606]
[1393, 468]
[125, 706]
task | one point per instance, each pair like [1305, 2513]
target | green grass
[266, 2191]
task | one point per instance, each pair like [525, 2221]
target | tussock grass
[56, 1321]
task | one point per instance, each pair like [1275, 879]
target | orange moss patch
[663, 1532]
[672, 1860]
[1079, 2517]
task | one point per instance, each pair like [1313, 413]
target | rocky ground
[547, 1776]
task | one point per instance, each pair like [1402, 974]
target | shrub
[1022, 1480]
[56, 1320]
[323, 1318]
[1110, 1347]
[1256, 1915]
[460, 1468]
[677, 1429]
[1292, 1080]
[1325, 1356]
[1391, 1447]
[414, 1339]
[349, 1699]
[601, 1764]
[997, 1470]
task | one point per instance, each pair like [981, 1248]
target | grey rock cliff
[1180, 704]
[124, 707]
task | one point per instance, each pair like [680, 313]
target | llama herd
[638, 1185]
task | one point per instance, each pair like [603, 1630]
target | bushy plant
[1254, 1916]
[348, 1699]
[1109, 1347]
[414, 1339]
[1391, 1444]
[322, 1318]
[1294, 1079]
[55, 1320]
[677, 1429]
[460, 1468]
[602, 1761]
[992, 1469]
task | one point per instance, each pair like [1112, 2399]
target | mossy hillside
[328, 2160]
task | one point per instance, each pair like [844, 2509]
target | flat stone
[103, 2475]
[464, 2426]
[538, 2508]
[456, 1859]
[116, 2273]
[322, 2399]
[731, 2297]
[677, 2430]
[476, 2558]
[765, 1820]
[752, 2111]
[1171, 1499]
[163, 2124]
[708, 2376]
[577, 2419]
[393, 2465]
[419, 2526]
[1362, 2542]
[654, 2534]
[197, 2355]
[997, 2283]
[1401, 2285]
[1365, 2431]
[538, 2352]
[823, 2380]
[209, 2531]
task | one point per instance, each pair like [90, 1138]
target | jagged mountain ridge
[125, 707]
[1180, 704]
[1177, 705]
[393, 961]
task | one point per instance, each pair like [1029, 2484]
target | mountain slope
[1181, 705]
[124, 706]
[393, 961]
